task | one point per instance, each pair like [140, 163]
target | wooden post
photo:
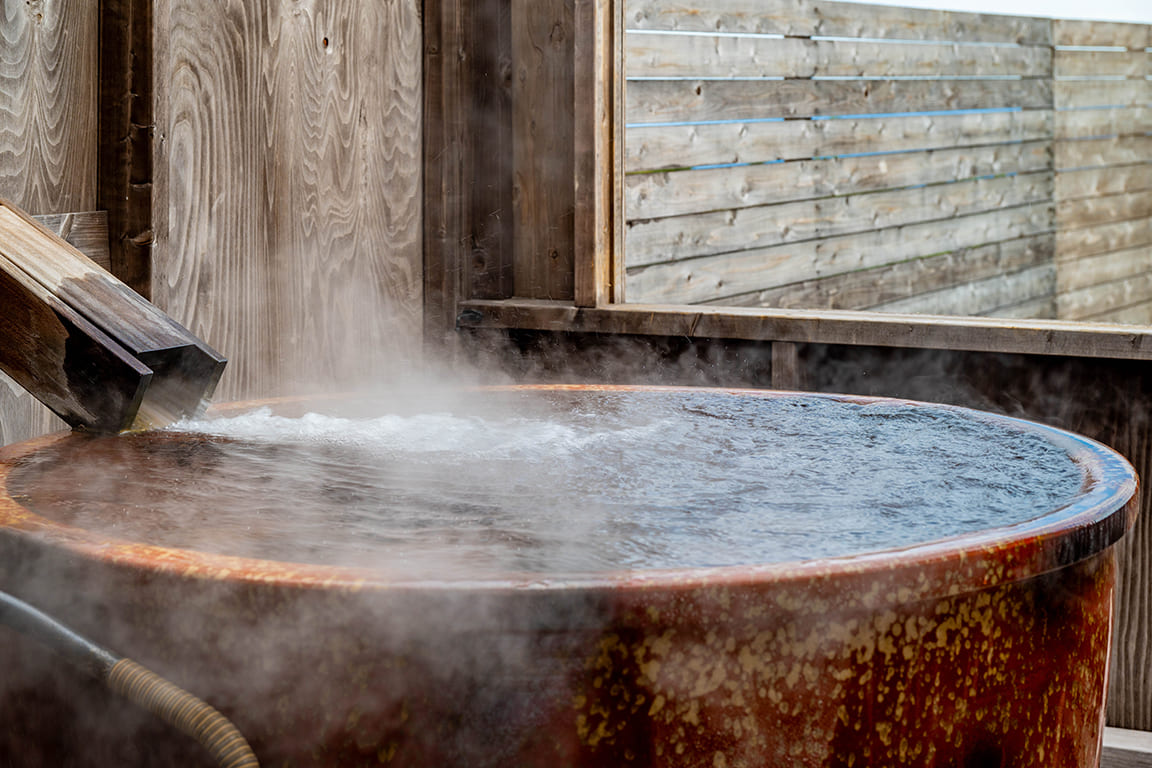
[85, 344]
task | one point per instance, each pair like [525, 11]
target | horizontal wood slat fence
[842, 156]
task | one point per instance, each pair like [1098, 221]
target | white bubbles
[572, 482]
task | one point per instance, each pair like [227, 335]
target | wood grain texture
[1086, 271]
[707, 56]
[1067, 63]
[1081, 94]
[489, 76]
[1111, 180]
[87, 232]
[287, 186]
[1089, 153]
[681, 237]
[48, 66]
[1099, 301]
[658, 147]
[1058, 338]
[1126, 749]
[1090, 33]
[543, 195]
[596, 134]
[714, 277]
[981, 297]
[125, 130]
[446, 140]
[48, 110]
[1103, 123]
[804, 18]
[1092, 211]
[670, 101]
[1114, 236]
[654, 195]
[867, 287]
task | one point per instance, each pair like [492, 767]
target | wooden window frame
[599, 304]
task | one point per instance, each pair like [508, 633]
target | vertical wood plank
[124, 187]
[490, 44]
[445, 189]
[595, 137]
[290, 154]
[48, 142]
[543, 163]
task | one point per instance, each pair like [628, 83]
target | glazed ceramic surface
[988, 648]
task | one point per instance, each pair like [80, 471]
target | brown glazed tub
[984, 649]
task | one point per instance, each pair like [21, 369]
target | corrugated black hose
[166, 700]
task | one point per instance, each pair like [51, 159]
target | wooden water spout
[85, 344]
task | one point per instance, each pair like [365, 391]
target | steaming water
[558, 482]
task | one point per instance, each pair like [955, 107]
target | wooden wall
[1103, 153]
[844, 156]
[286, 197]
[48, 140]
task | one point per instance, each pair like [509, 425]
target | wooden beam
[804, 18]
[670, 101]
[596, 135]
[124, 184]
[1126, 749]
[86, 231]
[718, 56]
[88, 346]
[1032, 337]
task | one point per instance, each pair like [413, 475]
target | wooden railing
[843, 156]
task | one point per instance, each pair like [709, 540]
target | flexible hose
[168, 701]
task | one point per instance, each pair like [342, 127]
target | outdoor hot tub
[577, 576]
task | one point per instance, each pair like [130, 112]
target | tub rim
[952, 565]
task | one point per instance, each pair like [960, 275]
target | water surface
[557, 482]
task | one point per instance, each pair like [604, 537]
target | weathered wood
[596, 135]
[1137, 314]
[182, 370]
[1100, 33]
[657, 147]
[672, 101]
[445, 201]
[680, 237]
[1078, 94]
[1067, 63]
[867, 287]
[1117, 236]
[1112, 180]
[1043, 308]
[804, 18]
[654, 195]
[1126, 749]
[543, 123]
[70, 365]
[1103, 267]
[717, 56]
[23, 416]
[48, 88]
[1037, 337]
[287, 198]
[87, 232]
[980, 297]
[714, 277]
[125, 123]
[1089, 123]
[1099, 300]
[785, 366]
[488, 72]
[1092, 211]
[1086, 153]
